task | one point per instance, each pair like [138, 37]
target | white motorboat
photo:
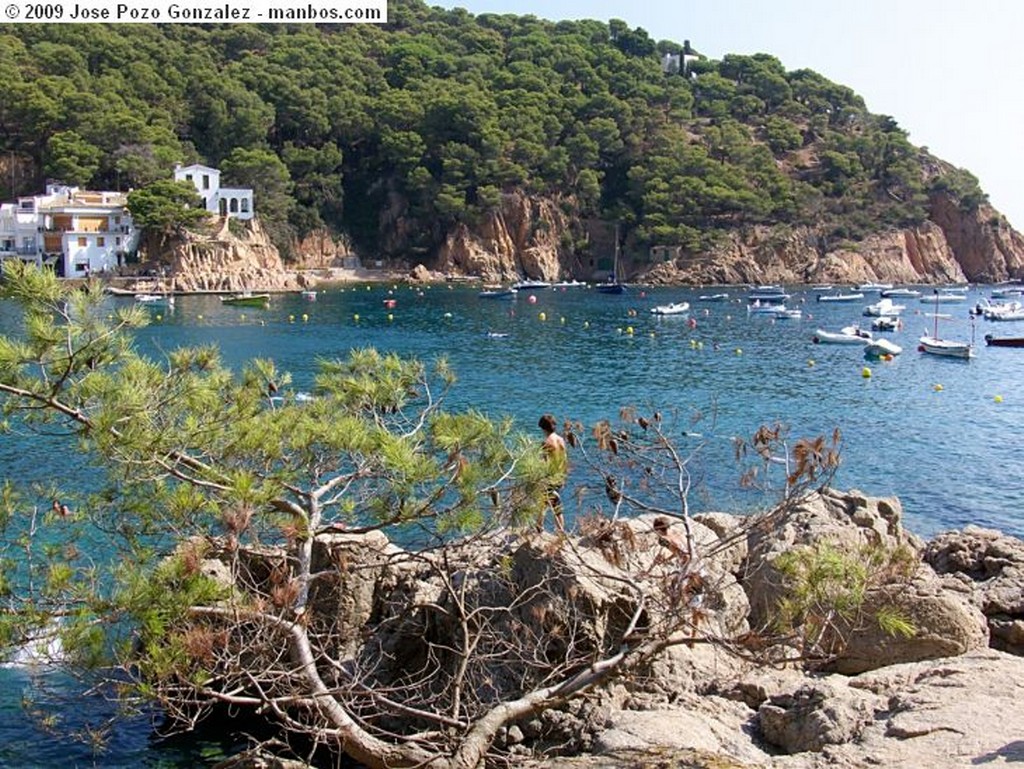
[901, 293]
[886, 323]
[674, 308]
[884, 307]
[498, 292]
[761, 307]
[769, 294]
[789, 313]
[713, 298]
[944, 297]
[846, 335]
[531, 285]
[852, 297]
[569, 284]
[874, 286]
[880, 348]
[1007, 292]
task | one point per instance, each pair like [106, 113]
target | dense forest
[440, 112]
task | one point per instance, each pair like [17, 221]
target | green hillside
[439, 112]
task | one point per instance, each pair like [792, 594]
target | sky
[951, 72]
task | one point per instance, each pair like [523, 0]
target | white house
[78, 232]
[235, 202]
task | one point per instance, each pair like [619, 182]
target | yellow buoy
[356, 317]
[543, 316]
[586, 324]
[199, 317]
[810, 361]
[291, 318]
[391, 316]
[865, 372]
[739, 350]
[243, 316]
[937, 388]
[562, 320]
[998, 399]
[629, 330]
[700, 345]
[305, 317]
[159, 317]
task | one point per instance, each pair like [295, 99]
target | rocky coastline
[945, 695]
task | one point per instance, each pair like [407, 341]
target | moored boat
[884, 307]
[498, 292]
[673, 308]
[881, 348]
[944, 297]
[886, 323]
[847, 335]
[771, 294]
[852, 297]
[247, 300]
[901, 293]
[947, 348]
[1006, 341]
[713, 298]
[788, 313]
[874, 287]
[530, 285]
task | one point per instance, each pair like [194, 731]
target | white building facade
[233, 202]
[77, 232]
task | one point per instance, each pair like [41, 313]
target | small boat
[886, 323]
[1004, 311]
[612, 285]
[1009, 292]
[390, 303]
[874, 287]
[155, 299]
[569, 284]
[498, 292]
[932, 344]
[1006, 341]
[944, 297]
[882, 308]
[901, 293]
[531, 285]
[851, 297]
[713, 298]
[880, 348]
[309, 295]
[762, 307]
[847, 335]
[822, 287]
[771, 294]
[948, 348]
[788, 313]
[674, 308]
[247, 299]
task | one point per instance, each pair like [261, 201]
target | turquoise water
[940, 434]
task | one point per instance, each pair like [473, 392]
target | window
[117, 220]
[188, 177]
[234, 205]
[206, 181]
[28, 205]
[83, 242]
[101, 242]
[81, 267]
[117, 240]
[245, 205]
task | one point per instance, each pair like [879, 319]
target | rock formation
[235, 257]
[939, 698]
[522, 237]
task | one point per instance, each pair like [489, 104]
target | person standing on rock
[554, 451]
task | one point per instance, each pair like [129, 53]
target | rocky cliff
[533, 237]
[238, 257]
[522, 237]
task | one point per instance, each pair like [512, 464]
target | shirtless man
[554, 450]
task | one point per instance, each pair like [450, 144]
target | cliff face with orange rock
[533, 237]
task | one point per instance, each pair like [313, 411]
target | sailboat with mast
[612, 285]
[949, 348]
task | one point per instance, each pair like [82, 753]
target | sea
[942, 435]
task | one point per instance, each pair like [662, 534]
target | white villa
[76, 231]
[234, 202]
[79, 232]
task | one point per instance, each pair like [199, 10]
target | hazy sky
[951, 72]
